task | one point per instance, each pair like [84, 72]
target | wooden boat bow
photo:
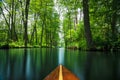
[61, 73]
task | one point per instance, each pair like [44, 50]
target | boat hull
[61, 73]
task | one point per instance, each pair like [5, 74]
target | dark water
[36, 64]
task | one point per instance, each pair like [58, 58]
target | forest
[74, 24]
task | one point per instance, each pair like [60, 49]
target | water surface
[36, 64]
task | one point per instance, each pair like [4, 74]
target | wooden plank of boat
[61, 73]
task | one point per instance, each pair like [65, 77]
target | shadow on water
[24, 64]
[102, 66]
[36, 64]
[88, 66]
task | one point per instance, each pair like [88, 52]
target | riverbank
[11, 45]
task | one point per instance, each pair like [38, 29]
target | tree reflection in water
[36, 64]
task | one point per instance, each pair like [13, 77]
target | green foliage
[13, 44]
[0, 3]
[82, 44]
[101, 19]
[44, 23]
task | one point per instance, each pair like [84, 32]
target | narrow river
[36, 64]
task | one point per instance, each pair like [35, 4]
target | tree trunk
[26, 22]
[35, 17]
[43, 24]
[69, 24]
[34, 33]
[22, 20]
[8, 34]
[32, 37]
[13, 14]
[114, 20]
[113, 26]
[88, 34]
[75, 20]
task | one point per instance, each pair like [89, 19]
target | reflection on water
[61, 56]
[36, 64]
[28, 67]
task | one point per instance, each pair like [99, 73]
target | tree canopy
[79, 24]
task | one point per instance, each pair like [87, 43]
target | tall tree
[27, 3]
[114, 19]
[88, 34]
[34, 32]
[13, 16]
[10, 8]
